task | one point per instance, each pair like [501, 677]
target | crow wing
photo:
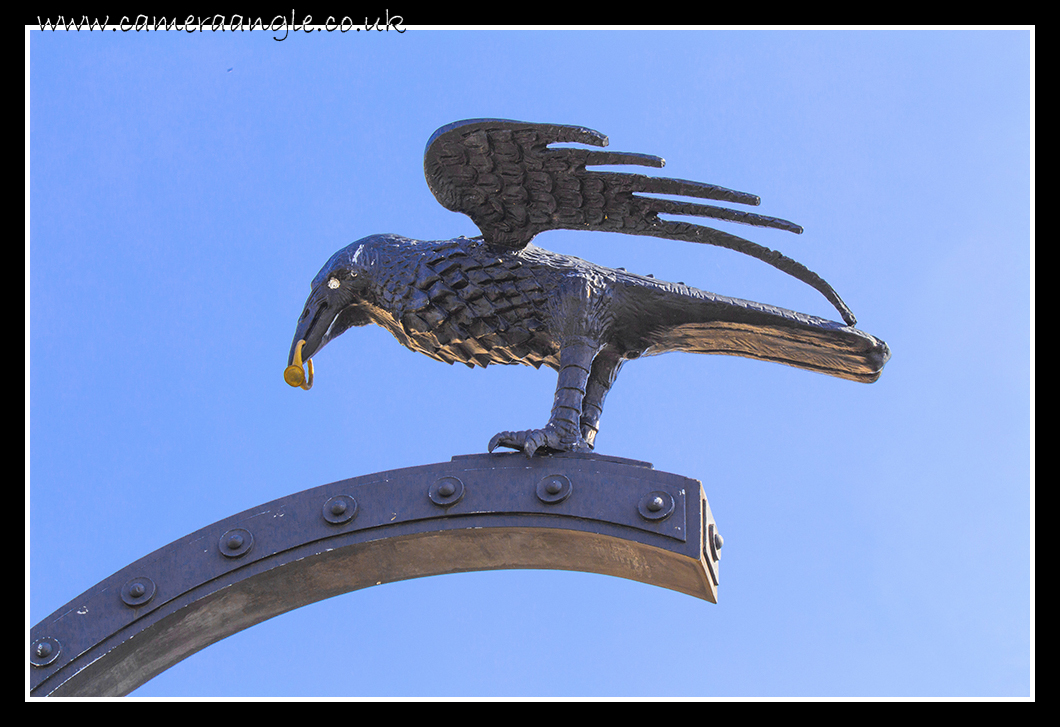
[504, 176]
[671, 317]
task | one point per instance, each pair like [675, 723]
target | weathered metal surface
[498, 299]
[581, 512]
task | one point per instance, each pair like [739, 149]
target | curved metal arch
[587, 513]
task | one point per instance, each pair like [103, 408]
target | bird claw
[531, 440]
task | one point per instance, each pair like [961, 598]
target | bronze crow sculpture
[498, 299]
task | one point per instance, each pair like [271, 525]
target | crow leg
[563, 433]
[601, 377]
[575, 364]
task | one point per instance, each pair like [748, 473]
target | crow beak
[308, 339]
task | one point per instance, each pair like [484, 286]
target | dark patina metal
[44, 651]
[498, 299]
[446, 491]
[221, 579]
[554, 488]
[656, 505]
[340, 509]
[138, 591]
[236, 543]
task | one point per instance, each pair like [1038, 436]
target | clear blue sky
[185, 188]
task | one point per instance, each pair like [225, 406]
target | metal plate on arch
[589, 513]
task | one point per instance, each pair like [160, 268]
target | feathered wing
[505, 177]
[679, 318]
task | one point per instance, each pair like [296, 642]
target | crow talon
[530, 441]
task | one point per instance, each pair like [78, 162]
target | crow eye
[333, 283]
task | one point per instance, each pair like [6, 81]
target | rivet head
[235, 542]
[714, 541]
[446, 491]
[656, 505]
[340, 509]
[138, 591]
[44, 651]
[554, 489]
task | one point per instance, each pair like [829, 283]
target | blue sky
[185, 188]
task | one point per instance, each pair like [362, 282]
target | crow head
[338, 301]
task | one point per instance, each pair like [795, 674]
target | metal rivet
[715, 541]
[235, 542]
[340, 509]
[138, 591]
[554, 489]
[44, 651]
[446, 491]
[656, 505]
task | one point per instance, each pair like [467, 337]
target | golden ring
[294, 375]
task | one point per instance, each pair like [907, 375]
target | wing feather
[671, 317]
[507, 178]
